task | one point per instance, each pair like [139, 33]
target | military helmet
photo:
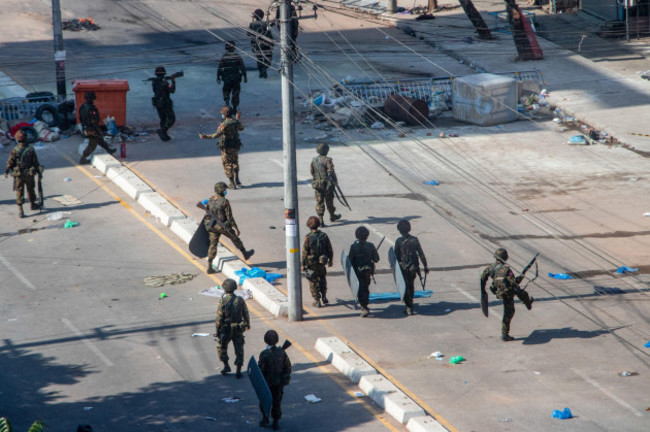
[361, 233]
[322, 149]
[271, 337]
[501, 254]
[229, 285]
[90, 95]
[259, 13]
[160, 70]
[230, 45]
[226, 111]
[20, 136]
[403, 226]
[313, 222]
[220, 187]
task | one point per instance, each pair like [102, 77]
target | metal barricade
[23, 108]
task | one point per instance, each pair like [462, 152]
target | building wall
[605, 9]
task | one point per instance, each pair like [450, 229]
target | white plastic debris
[377, 125]
[55, 216]
[200, 334]
[359, 394]
[438, 355]
[312, 399]
[231, 399]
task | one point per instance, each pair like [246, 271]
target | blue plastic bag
[624, 269]
[205, 201]
[432, 183]
[271, 277]
[560, 276]
[562, 415]
[578, 139]
[647, 345]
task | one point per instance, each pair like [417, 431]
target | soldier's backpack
[500, 280]
[321, 181]
[408, 254]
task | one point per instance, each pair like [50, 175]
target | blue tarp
[560, 276]
[256, 272]
[624, 269]
[395, 296]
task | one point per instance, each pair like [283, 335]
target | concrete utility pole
[433, 5]
[290, 178]
[391, 6]
[59, 51]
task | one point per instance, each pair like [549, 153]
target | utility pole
[59, 51]
[290, 178]
[391, 6]
[433, 5]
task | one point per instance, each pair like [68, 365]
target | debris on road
[200, 334]
[438, 355]
[312, 399]
[162, 296]
[456, 359]
[80, 24]
[562, 415]
[627, 374]
[359, 394]
[171, 279]
[67, 200]
[218, 292]
[70, 224]
[232, 399]
[624, 269]
[432, 183]
[578, 139]
[560, 276]
[256, 272]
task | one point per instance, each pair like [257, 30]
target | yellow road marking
[258, 313]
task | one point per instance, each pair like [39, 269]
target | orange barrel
[412, 111]
[111, 97]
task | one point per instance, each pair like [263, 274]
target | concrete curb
[376, 386]
[227, 262]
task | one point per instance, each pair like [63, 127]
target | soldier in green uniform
[275, 365]
[229, 144]
[323, 182]
[363, 256]
[23, 165]
[231, 70]
[316, 254]
[409, 253]
[232, 321]
[218, 221]
[505, 286]
[261, 42]
[162, 88]
[89, 119]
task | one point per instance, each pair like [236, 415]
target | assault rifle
[175, 75]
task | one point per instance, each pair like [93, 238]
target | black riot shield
[200, 242]
[397, 273]
[261, 387]
[350, 275]
[484, 303]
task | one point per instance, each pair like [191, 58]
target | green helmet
[362, 233]
[322, 149]
[229, 285]
[220, 187]
[501, 254]
[271, 337]
[403, 226]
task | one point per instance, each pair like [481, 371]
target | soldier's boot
[162, 133]
[21, 214]
[248, 253]
[264, 421]
[335, 217]
[324, 298]
[226, 369]
[507, 338]
[238, 373]
[237, 178]
[275, 426]
[83, 161]
[35, 205]
[232, 184]
[210, 269]
[364, 312]
[316, 304]
[408, 310]
[321, 219]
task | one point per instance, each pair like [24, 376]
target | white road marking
[379, 233]
[608, 393]
[493, 312]
[86, 342]
[18, 274]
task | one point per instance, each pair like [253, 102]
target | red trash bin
[111, 97]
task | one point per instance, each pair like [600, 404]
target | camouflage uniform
[229, 144]
[231, 69]
[505, 285]
[275, 365]
[23, 165]
[409, 253]
[323, 183]
[163, 102]
[219, 221]
[262, 45]
[89, 118]
[232, 321]
[363, 256]
[316, 254]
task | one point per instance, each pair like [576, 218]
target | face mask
[225, 193]
[223, 116]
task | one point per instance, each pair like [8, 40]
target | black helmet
[259, 13]
[322, 149]
[271, 337]
[90, 96]
[501, 254]
[220, 187]
[229, 285]
[403, 226]
[361, 233]
[230, 45]
[160, 70]
[313, 222]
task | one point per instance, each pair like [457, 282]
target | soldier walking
[505, 286]
[408, 253]
[218, 221]
[229, 144]
[231, 70]
[323, 182]
[232, 321]
[23, 165]
[363, 256]
[89, 118]
[275, 365]
[261, 42]
[162, 87]
[316, 254]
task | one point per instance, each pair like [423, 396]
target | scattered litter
[624, 269]
[438, 355]
[70, 224]
[560, 276]
[456, 359]
[200, 334]
[647, 345]
[171, 279]
[67, 200]
[79, 24]
[627, 374]
[577, 139]
[218, 292]
[646, 214]
[377, 125]
[232, 399]
[312, 399]
[432, 183]
[256, 272]
[506, 420]
[55, 216]
[67, 179]
[211, 419]
[562, 415]
[359, 394]
[88, 408]
[162, 296]
[447, 310]
[395, 296]
[537, 373]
